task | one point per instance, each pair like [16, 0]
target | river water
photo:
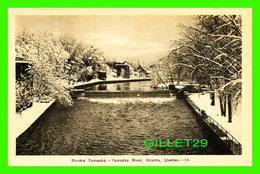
[126, 86]
[116, 127]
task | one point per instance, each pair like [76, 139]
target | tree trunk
[225, 105]
[178, 79]
[162, 80]
[222, 102]
[172, 80]
[178, 76]
[212, 97]
[229, 108]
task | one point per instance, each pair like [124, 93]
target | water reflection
[127, 86]
[102, 87]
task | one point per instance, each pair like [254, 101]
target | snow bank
[203, 102]
[24, 120]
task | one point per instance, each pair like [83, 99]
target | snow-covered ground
[178, 86]
[109, 78]
[98, 80]
[203, 102]
[29, 116]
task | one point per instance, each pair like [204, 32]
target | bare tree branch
[228, 36]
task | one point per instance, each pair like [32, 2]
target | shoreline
[202, 101]
[90, 83]
[226, 131]
[24, 120]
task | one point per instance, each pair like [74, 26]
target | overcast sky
[142, 38]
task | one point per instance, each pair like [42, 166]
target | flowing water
[116, 126]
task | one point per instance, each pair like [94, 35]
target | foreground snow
[29, 116]
[203, 102]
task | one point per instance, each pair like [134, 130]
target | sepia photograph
[129, 86]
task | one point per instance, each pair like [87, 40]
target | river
[116, 126]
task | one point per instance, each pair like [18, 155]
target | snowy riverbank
[109, 79]
[203, 102]
[30, 115]
[25, 119]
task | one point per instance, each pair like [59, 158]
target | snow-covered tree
[159, 74]
[47, 66]
[54, 63]
[82, 58]
[212, 49]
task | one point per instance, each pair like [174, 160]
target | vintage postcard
[130, 87]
